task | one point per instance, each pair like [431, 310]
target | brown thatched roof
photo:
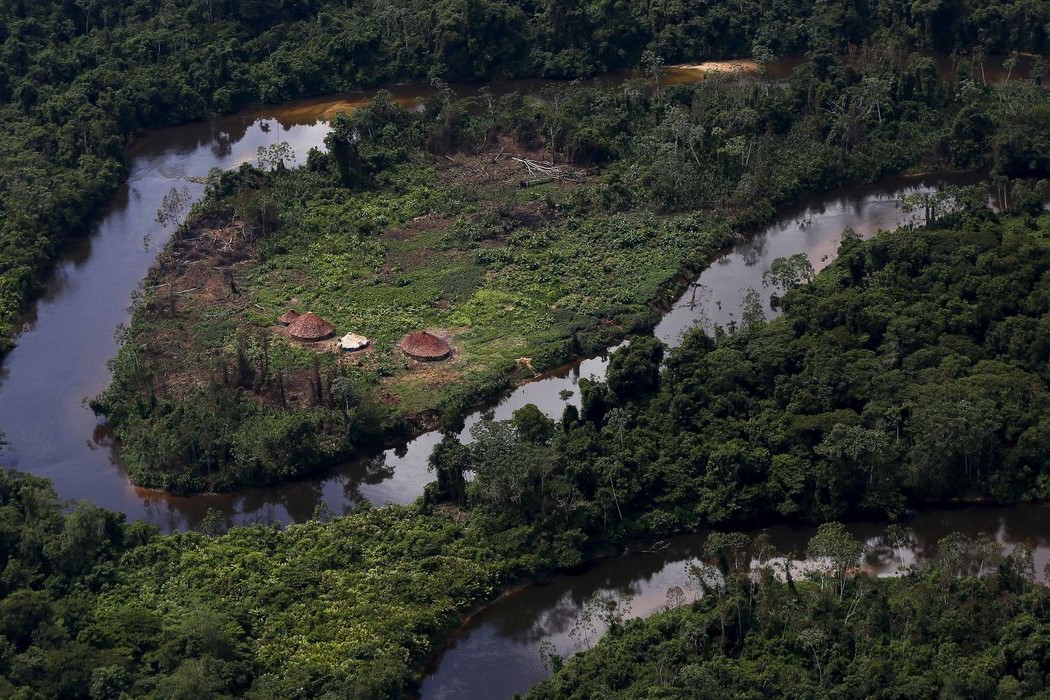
[289, 317]
[425, 346]
[310, 326]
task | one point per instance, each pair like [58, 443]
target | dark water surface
[68, 335]
[496, 654]
[45, 379]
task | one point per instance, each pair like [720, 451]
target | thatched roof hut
[310, 326]
[353, 341]
[289, 317]
[425, 346]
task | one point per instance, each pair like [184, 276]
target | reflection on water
[68, 335]
[813, 227]
[45, 379]
[497, 653]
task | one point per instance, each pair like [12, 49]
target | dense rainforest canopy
[972, 624]
[91, 607]
[396, 227]
[914, 370]
[77, 79]
[351, 607]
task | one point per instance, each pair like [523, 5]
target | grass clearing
[514, 280]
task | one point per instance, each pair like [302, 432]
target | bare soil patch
[193, 289]
[501, 164]
[417, 226]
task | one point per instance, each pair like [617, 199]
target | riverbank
[357, 601]
[550, 620]
[79, 83]
[837, 632]
[351, 602]
[435, 231]
[415, 561]
[908, 265]
[463, 261]
[49, 430]
[399, 475]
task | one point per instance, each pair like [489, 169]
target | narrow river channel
[497, 652]
[68, 335]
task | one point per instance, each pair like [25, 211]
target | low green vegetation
[417, 220]
[78, 79]
[972, 623]
[774, 420]
[912, 371]
[209, 394]
[91, 607]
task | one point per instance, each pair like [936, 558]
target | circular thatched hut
[425, 346]
[289, 317]
[310, 327]
[353, 341]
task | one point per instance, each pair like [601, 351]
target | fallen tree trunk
[544, 171]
